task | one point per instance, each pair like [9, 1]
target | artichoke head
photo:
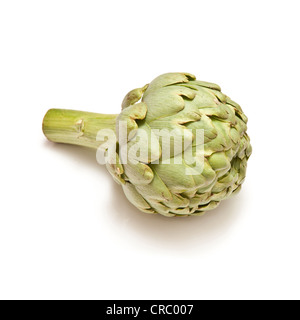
[158, 181]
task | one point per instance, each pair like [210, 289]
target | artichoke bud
[180, 147]
[159, 144]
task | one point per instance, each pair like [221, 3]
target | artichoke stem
[76, 127]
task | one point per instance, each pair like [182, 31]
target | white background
[66, 229]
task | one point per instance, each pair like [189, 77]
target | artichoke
[159, 182]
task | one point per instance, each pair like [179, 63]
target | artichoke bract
[156, 178]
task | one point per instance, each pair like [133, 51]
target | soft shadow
[172, 233]
[86, 156]
[176, 233]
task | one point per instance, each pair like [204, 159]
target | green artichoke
[156, 181]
